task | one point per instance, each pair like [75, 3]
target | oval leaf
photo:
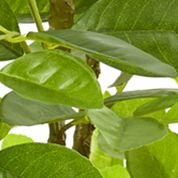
[110, 50]
[126, 134]
[16, 110]
[45, 160]
[147, 24]
[53, 76]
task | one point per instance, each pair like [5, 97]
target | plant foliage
[54, 79]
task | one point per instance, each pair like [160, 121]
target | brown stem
[83, 132]
[56, 134]
[82, 138]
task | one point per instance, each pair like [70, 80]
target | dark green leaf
[12, 139]
[47, 77]
[45, 160]
[147, 24]
[8, 21]
[107, 49]
[22, 11]
[126, 134]
[141, 94]
[16, 110]
[82, 5]
[158, 160]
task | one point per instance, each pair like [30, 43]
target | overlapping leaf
[45, 160]
[22, 11]
[158, 160]
[13, 139]
[110, 50]
[125, 134]
[53, 76]
[16, 110]
[8, 21]
[148, 24]
[141, 94]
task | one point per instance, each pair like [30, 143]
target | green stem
[36, 14]
[25, 47]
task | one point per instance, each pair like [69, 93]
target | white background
[108, 75]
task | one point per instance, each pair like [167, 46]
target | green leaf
[13, 139]
[82, 5]
[4, 129]
[121, 80]
[45, 76]
[22, 11]
[99, 158]
[157, 104]
[141, 94]
[116, 171]
[8, 21]
[109, 50]
[45, 160]
[107, 165]
[129, 107]
[172, 115]
[158, 160]
[126, 134]
[16, 110]
[6, 174]
[147, 24]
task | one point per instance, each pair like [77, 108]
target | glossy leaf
[158, 160]
[45, 160]
[126, 134]
[109, 50]
[13, 139]
[149, 25]
[46, 77]
[22, 11]
[8, 21]
[16, 110]
[141, 94]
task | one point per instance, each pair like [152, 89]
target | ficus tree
[54, 81]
